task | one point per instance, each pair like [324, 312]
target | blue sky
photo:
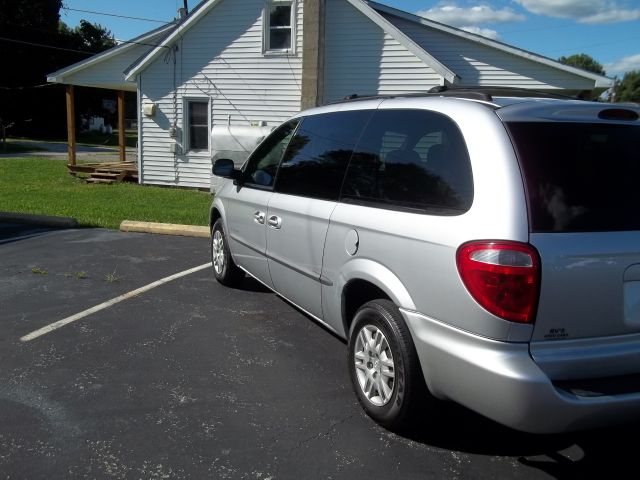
[608, 30]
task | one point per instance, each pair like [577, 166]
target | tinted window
[580, 176]
[262, 166]
[411, 159]
[318, 154]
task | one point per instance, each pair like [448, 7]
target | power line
[30, 86]
[45, 46]
[115, 15]
[57, 32]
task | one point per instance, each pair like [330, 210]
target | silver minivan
[472, 246]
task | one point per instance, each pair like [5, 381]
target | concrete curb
[165, 229]
[44, 220]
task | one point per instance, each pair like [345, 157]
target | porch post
[71, 125]
[121, 137]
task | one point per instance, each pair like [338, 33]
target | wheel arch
[215, 212]
[362, 280]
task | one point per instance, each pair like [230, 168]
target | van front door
[248, 202]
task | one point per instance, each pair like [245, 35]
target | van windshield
[580, 176]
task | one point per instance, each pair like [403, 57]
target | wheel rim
[374, 365]
[217, 247]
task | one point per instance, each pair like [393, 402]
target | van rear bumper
[500, 380]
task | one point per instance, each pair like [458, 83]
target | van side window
[319, 152]
[428, 168]
[262, 166]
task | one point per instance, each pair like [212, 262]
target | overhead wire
[115, 15]
[34, 44]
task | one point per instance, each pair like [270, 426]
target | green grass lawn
[43, 186]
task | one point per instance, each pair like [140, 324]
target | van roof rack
[485, 94]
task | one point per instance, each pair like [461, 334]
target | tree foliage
[88, 37]
[35, 43]
[583, 61]
[41, 14]
[628, 89]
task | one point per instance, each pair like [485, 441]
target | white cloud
[459, 16]
[626, 64]
[612, 16]
[584, 11]
[485, 32]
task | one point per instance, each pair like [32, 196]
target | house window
[279, 26]
[197, 127]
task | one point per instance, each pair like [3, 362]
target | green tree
[628, 89]
[41, 14]
[89, 37]
[35, 43]
[583, 61]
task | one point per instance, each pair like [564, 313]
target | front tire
[224, 268]
[383, 365]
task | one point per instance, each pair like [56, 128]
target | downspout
[140, 129]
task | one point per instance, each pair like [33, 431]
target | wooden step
[117, 176]
[100, 180]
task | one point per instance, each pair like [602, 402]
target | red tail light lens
[503, 277]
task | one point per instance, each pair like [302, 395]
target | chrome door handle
[274, 222]
[259, 217]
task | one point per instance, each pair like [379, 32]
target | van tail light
[502, 276]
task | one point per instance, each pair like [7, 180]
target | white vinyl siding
[221, 59]
[478, 64]
[361, 58]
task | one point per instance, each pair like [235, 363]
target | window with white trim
[197, 125]
[279, 26]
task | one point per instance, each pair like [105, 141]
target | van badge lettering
[556, 334]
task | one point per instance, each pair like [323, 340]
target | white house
[254, 63]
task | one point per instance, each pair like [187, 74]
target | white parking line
[65, 321]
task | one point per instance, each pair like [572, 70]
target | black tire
[406, 391]
[224, 268]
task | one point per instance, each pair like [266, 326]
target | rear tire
[384, 366]
[224, 268]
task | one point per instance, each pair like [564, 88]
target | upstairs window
[279, 22]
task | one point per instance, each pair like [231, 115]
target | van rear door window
[411, 159]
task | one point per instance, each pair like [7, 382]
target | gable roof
[600, 80]
[147, 39]
[206, 6]
[162, 37]
[404, 40]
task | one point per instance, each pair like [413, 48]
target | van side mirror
[225, 168]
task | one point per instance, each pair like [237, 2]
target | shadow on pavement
[13, 232]
[252, 285]
[563, 456]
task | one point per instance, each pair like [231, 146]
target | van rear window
[580, 177]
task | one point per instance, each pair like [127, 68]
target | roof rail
[485, 94]
[490, 91]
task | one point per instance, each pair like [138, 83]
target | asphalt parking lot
[193, 380]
